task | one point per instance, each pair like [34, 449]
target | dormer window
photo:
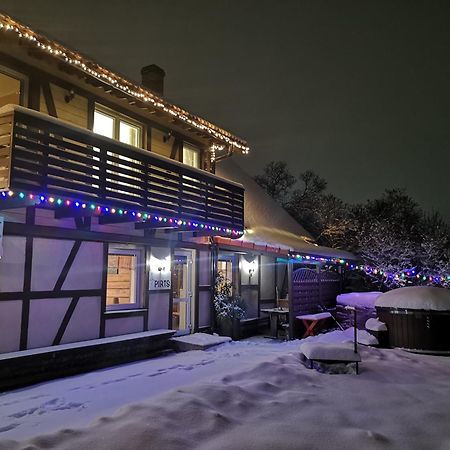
[191, 156]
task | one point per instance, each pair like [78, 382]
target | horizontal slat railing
[50, 156]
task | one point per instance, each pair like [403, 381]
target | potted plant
[229, 309]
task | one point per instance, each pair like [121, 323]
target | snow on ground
[253, 394]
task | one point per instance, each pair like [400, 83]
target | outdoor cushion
[318, 316]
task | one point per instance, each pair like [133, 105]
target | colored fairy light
[60, 202]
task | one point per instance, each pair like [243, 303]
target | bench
[27, 367]
[330, 353]
[312, 320]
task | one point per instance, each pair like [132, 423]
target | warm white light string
[93, 69]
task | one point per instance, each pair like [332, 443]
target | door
[182, 290]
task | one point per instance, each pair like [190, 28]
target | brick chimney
[153, 78]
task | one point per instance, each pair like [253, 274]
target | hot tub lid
[416, 297]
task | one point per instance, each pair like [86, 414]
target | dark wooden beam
[64, 213]
[122, 218]
[48, 97]
[153, 225]
[13, 203]
[68, 264]
[66, 319]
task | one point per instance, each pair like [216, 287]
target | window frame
[139, 253]
[188, 146]
[117, 119]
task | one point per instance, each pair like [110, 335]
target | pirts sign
[160, 270]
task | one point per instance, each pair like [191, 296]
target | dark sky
[358, 91]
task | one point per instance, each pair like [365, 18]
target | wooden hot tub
[417, 318]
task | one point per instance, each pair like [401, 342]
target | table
[311, 320]
[276, 314]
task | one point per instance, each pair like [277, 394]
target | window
[11, 88]
[115, 126]
[225, 267]
[123, 278]
[110, 124]
[191, 156]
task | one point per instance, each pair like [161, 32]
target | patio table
[277, 316]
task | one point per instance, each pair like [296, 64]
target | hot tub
[417, 318]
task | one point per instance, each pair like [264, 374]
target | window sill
[114, 313]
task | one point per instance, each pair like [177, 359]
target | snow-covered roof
[416, 297]
[267, 223]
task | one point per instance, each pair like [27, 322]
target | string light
[95, 70]
[60, 202]
[406, 276]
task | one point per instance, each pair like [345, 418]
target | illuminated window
[225, 268]
[123, 278]
[191, 156]
[116, 126]
[103, 124]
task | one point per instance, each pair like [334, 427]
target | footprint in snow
[9, 427]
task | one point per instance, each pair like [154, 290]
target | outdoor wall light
[70, 96]
[159, 265]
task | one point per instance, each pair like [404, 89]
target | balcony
[49, 163]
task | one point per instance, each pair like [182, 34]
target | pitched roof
[91, 68]
[268, 224]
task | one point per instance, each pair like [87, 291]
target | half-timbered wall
[249, 275]
[160, 292]
[50, 292]
[204, 289]
[267, 287]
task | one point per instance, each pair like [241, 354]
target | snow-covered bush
[227, 306]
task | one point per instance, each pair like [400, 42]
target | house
[118, 207]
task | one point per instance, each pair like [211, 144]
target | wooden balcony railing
[41, 154]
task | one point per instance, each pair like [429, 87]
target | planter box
[231, 328]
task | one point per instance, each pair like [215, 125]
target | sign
[160, 269]
[163, 283]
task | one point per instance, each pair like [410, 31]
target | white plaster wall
[158, 310]
[204, 309]
[246, 262]
[267, 278]
[250, 296]
[10, 320]
[160, 257]
[85, 321]
[46, 316]
[204, 267]
[12, 264]
[124, 325]
[86, 270]
[49, 257]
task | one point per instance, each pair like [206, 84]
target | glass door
[182, 286]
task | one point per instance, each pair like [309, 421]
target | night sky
[358, 91]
